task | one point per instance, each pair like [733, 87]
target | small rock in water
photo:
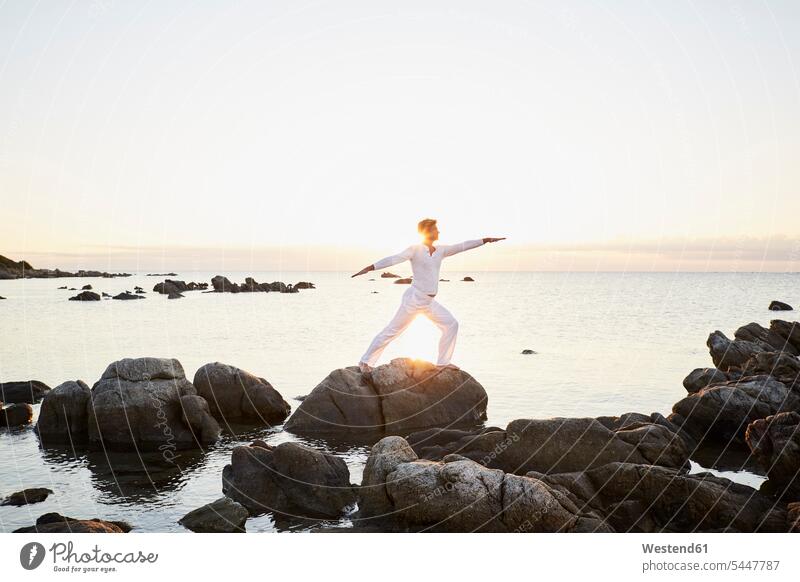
[87, 287]
[86, 296]
[221, 516]
[127, 295]
[468, 279]
[1, 297]
[16, 414]
[528, 352]
[388, 275]
[301, 397]
[406, 281]
[780, 306]
[57, 523]
[27, 496]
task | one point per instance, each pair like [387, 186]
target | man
[426, 260]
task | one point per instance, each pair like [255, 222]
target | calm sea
[605, 343]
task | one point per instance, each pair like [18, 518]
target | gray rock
[290, 479]
[64, 415]
[787, 329]
[140, 402]
[126, 296]
[775, 443]
[646, 498]
[221, 516]
[766, 339]
[464, 496]
[394, 398]
[780, 306]
[86, 296]
[702, 377]
[721, 412]
[729, 354]
[235, 394]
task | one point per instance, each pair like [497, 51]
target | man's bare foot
[445, 366]
[365, 367]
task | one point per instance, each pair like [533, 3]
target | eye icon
[31, 555]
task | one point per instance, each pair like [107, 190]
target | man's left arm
[451, 250]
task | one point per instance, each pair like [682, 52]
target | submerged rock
[27, 496]
[775, 442]
[57, 523]
[221, 516]
[291, 478]
[394, 398]
[234, 394]
[30, 391]
[149, 403]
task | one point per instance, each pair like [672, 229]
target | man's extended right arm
[405, 255]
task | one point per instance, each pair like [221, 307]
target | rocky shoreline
[10, 269]
[433, 465]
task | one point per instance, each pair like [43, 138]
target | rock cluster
[223, 285]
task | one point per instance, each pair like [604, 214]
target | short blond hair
[425, 224]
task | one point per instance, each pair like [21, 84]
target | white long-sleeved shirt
[424, 265]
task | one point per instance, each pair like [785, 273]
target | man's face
[431, 233]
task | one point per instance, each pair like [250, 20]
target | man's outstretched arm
[387, 262]
[451, 250]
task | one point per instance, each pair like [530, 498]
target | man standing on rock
[426, 261]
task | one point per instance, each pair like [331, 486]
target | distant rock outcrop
[23, 270]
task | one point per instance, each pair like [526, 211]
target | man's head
[428, 229]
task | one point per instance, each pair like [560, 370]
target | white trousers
[415, 302]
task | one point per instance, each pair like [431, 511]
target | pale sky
[635, 135]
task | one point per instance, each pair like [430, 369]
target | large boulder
[775, 443]
[56, 523]
[721, 412]
[222, 284]
[15, 415]
[729, 354]
[646, 498]
[559, 445]
[288, 479]
[221, 516]
[31, 391]
[392, 399]
[148, 403]
[460, 495]
[234, 394]
[64, 414]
